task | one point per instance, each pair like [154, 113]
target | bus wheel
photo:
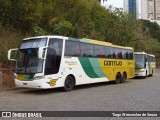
[118, 78]
[124, 77]
[69, 83]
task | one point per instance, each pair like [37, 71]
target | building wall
[125, 2]
[158, 9]
[144, 9]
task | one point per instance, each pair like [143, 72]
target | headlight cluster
[142, 70]
[38, 77]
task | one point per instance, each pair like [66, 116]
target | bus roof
[105, 43]
[140, 52]
[82, 40]
[144, 53]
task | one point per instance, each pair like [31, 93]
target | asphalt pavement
[133, 95]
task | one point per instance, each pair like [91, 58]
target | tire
[69, 83]
[118, 78]
[124, 77]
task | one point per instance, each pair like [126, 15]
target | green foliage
[37, 31]
[151, 28]
[63, 28]
[74, 18]
[9, 38]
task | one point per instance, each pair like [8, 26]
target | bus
[145, 64]
[58, 61]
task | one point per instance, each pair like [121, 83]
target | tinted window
[99, 51]
[130, 54]
[154, 59]
[119, 53]
[33, 43]
[127, 55]
[72, 48]
[124, 54]
[149, 59]
[108, 52]
[53, 58]
[113, 54]
[86, 50]
[116, 52]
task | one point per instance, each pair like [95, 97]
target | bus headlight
[38, 77]
[142, 70]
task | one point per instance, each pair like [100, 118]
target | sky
[114, 3]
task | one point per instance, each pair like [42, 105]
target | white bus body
[144, 64]
[47, 62]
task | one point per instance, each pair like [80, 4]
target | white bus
[144, 64]
[57, 61]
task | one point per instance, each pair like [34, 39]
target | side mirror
[10, 52]
[41, 52]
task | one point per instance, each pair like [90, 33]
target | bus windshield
[139, 61]
[27, 57]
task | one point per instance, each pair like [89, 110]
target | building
[144, 9]
[133, 7]
[157, 9]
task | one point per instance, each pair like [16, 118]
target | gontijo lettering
[112, 63]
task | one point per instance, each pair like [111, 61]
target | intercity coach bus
[145, 64]
[57, 61]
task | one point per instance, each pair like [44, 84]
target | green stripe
[96, 67]
[87, 67]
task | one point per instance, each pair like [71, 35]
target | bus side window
[99, 51]
[119, 54]
[124, 54]
[130, 54]
[54, 54]
[86, 50]
[113, 53]
[116, 52]
[154, 59]
[72, 48]
[108, 52]
[145, 58]
[127, 55]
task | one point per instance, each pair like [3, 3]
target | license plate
[24, 83]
